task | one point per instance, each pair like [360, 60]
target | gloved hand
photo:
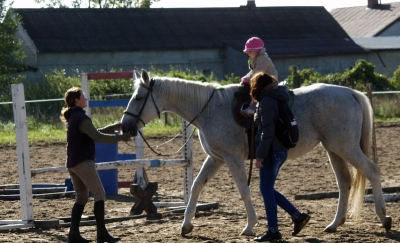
[125, 137]
[110, 129]
[116, 126]
[245, 80]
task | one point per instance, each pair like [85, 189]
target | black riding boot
[102, 233]
[74, 236]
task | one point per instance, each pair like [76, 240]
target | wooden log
[34, 190]
[316, 196]
[35, 185]
[394, 197]
[322, 195]
[42, 196]
[199, 207]
[47, 224]
[145, 163]
[89, 221]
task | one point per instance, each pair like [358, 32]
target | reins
[160, 154]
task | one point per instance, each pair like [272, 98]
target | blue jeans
[272, 198]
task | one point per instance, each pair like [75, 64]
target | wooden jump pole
[137, 163]
[25, 181]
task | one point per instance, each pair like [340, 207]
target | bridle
[149, 93]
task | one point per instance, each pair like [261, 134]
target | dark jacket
[81, 135]
[80, 146]
[267, 114]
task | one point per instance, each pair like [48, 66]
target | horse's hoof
[186, 230]
[387, 224]
[330, 229]
[247, 232]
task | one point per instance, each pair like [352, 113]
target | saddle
[242, 99]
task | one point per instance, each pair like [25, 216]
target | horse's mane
[189, 92]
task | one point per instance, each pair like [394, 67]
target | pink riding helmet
[253, 44]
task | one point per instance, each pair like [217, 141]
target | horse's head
[142, 107]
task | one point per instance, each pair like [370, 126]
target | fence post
[24, 167]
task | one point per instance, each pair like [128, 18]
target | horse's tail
[359, 180]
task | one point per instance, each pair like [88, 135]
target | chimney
[251, 4]
[372, 3]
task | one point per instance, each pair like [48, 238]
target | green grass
[386, 120]
[56, 133]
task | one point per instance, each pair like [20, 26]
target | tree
[11, 56]
[99, 3]
[395, 80]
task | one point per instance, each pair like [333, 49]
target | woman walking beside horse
[271, 154]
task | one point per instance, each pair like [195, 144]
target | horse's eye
[138, 98]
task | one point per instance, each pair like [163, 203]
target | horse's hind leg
[372, 172]
[343, 180]
[207, 171]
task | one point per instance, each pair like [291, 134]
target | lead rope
[159, 154]
[204, 107]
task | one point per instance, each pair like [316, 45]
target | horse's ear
[145, 76]
[136, 75]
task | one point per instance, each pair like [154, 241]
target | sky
[328, 4]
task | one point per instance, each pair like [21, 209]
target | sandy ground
[309, 174]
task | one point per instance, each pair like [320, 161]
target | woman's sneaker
[269, 236]
[300, 223]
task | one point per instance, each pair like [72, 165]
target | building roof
[365, 22]
[286, 31]
[379, 43]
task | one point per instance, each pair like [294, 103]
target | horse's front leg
[207, 171]
[237, 169]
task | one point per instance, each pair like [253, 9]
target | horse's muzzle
[132, 129]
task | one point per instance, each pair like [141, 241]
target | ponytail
[69, 99]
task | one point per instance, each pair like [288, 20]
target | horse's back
[329, 114]
[324, 102]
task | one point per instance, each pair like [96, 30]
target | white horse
[337, 117]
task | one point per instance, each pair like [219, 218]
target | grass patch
[39, 132]
[387, 120]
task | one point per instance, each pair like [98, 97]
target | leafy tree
[303, 77]
[395, 80]
[99, 3]
[11, 56]
[356, 78]
[363, 73]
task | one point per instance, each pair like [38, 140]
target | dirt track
[308, 174]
